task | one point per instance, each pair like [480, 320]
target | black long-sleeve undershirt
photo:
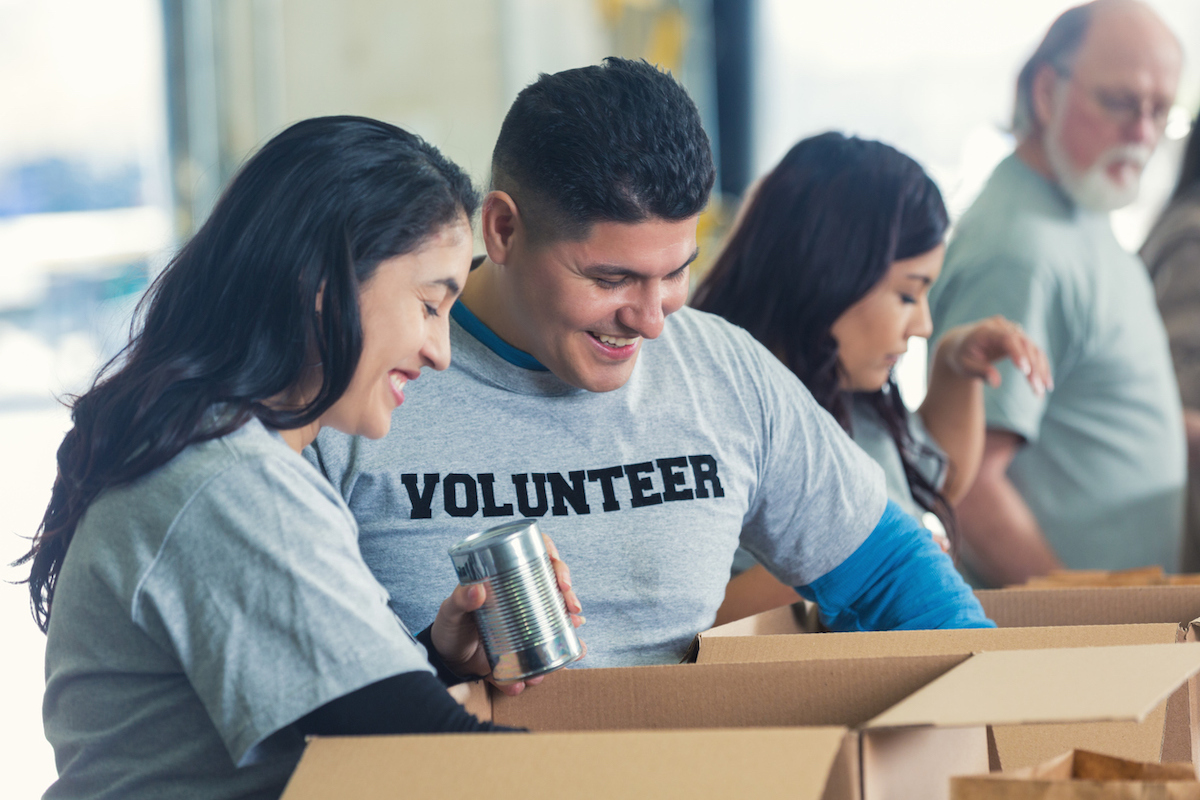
[411, 702]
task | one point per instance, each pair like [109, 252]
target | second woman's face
[405, 312]
[873, 333]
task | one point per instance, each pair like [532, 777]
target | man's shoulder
[689, 329]
[1021, 225]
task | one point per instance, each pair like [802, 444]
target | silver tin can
[524, 623]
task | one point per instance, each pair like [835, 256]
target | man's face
[584, 307]
[1107, 115]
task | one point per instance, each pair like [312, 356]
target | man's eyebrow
[618, 271]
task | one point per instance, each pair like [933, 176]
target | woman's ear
[320, 296]
[501, 226]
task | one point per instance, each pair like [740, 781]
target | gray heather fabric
[870, 434]
[1172, 254]
[645, 489]
[200, 612]
[928, 457]
[1103, 466]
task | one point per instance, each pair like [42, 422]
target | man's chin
[1096, 191]
[599, 379]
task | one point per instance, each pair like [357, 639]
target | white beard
[1094, 188]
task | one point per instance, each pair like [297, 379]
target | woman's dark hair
[233, 318]
[820, 232]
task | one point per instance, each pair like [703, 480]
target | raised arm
[953, 410]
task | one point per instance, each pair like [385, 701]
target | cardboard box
[873, 728]
[1167, 735]
[1082, 775]
[580, 766]
[1117, 605]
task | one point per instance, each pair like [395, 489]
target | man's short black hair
[619, 142]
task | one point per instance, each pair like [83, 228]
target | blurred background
[120, 122]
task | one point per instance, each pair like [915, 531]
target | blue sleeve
[898, 579]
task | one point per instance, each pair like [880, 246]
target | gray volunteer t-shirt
[200, 611]
[873, 437]
[645, 489]
[1104, 464]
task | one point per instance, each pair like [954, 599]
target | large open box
[838, 729]
[1085, 616]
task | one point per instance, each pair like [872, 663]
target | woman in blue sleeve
[829, 266]
[205, 603]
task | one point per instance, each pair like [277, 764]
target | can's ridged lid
[496, 550]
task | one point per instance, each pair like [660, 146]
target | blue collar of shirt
[474, 326]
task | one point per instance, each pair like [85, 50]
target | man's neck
[1031, 151]
[486, 296]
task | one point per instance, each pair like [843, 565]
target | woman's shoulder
[249, 461]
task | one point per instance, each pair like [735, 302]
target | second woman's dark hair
[820, 232]
[233, 319]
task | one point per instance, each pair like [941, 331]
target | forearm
[897, 579]
[753, 592]
[954, 416]
[1000, 537]
[412, 702]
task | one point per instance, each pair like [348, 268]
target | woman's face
[873, 333]
[405, 312]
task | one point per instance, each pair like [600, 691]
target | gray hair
[1057, 50]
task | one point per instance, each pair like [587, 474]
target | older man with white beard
[1090, 475]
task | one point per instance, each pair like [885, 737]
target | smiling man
[1090, 475]
[647, 438]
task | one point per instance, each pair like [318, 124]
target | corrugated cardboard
[1082, 775]
[1020, 687]
[1167, 734]
[875, 760]
[1118, 605]
[873, 766]
[1164, 734]
[581, 766]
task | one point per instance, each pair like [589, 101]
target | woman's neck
[300, 438]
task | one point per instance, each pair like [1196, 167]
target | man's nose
[645, 315]
[1144, 130]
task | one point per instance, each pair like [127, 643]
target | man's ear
[501, 225]
[1042, 96]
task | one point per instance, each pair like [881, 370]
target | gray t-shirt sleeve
[1021, 292]
[260, 592]
[818, 495]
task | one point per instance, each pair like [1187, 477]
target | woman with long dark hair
[1172, 254]
[829, 266]
[199, 581]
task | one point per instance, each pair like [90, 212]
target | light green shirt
[1104, 463]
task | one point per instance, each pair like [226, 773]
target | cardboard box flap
[1013, 608]
[1015, 687]
[744, 649]
[691, 764]
[836, 692]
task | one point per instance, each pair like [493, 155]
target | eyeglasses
[1126, 108]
